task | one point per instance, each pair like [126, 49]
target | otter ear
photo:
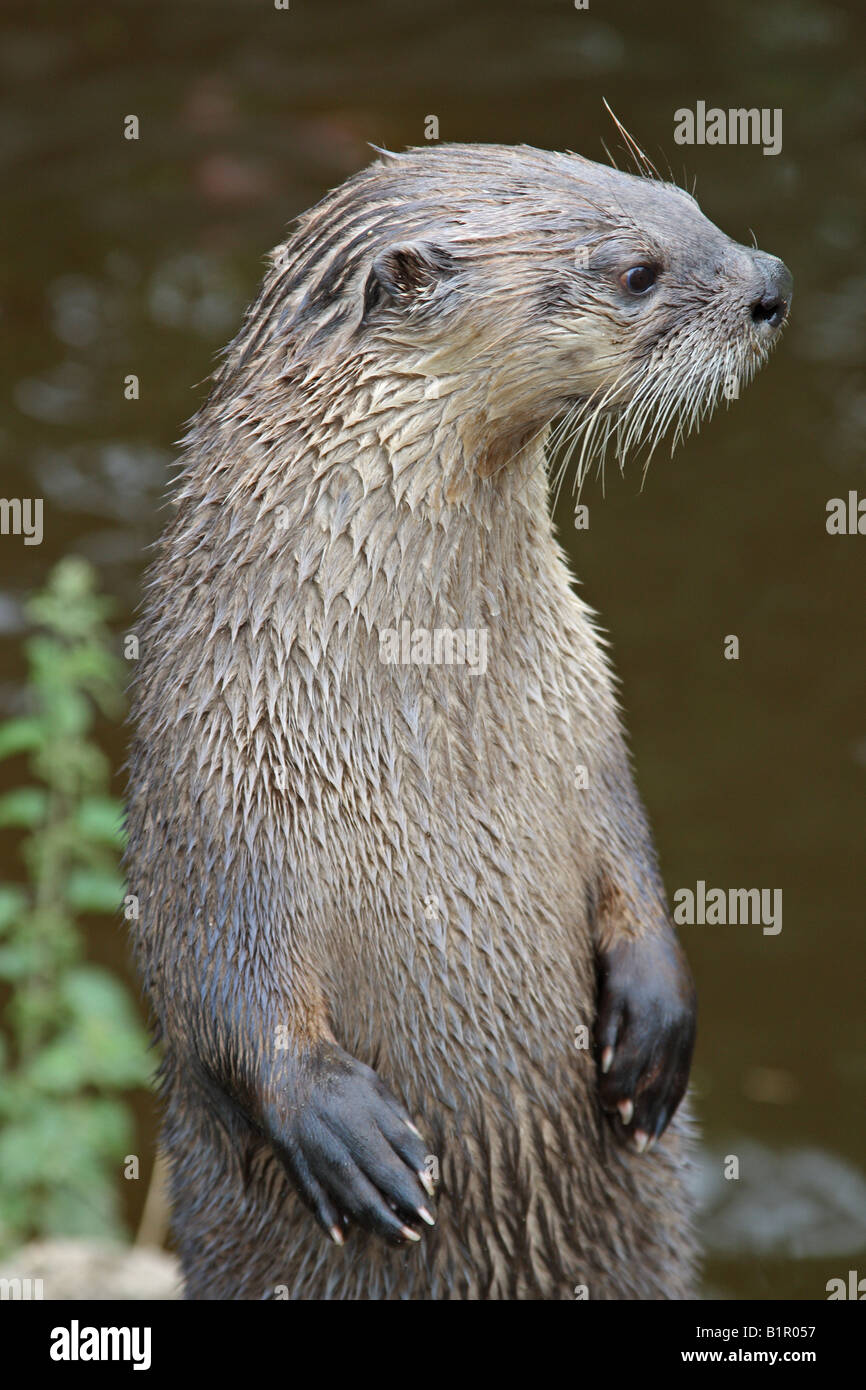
[405, 273]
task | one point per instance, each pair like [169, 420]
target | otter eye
[639, 279]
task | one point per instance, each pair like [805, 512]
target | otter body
[386, 897]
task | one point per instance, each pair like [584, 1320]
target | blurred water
[121, 257]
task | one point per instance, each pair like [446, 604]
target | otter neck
[431, 505]
[358, 500]
[436, 534]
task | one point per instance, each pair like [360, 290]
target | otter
[426, 1025]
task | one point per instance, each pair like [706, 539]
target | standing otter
[384, 892]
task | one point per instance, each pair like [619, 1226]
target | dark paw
[645, 1034]
[352, 1150]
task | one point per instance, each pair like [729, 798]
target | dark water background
[123, 257]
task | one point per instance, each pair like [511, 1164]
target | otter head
[513, 286]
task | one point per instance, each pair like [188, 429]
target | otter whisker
[642, 160]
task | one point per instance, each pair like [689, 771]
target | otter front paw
[645, 1034]
[352, 1151]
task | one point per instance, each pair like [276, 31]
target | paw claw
[626, 1111]
[645, 1029]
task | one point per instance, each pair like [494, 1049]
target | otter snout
[775, 290]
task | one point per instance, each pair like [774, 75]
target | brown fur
[399, 857]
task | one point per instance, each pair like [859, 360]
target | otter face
[521, 285]
[682, 316]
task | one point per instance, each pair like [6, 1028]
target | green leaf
[60, 1068]
[53, 1135]
[26, 806]
[95, 890]
[75, 1040]
[18, 960]
[13, 901]
[67, 713]
[109, 1045]
[101, 818]
[69, 604]
[35, 1148]
[86, 1206]
[20, 736]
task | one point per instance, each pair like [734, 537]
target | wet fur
[295, 805]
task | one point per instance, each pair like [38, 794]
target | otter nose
[774, 301]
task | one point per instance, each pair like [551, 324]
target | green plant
[72, 1042]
